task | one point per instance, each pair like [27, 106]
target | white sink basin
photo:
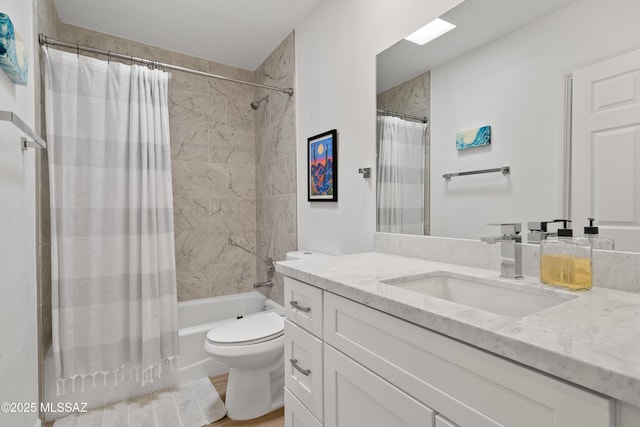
[494, 296]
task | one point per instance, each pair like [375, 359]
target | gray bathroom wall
[276, 163]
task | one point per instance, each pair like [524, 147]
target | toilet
[252, 348]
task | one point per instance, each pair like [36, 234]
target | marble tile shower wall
[276, 163]
[213, 166]
[412, 97]
[47, 22]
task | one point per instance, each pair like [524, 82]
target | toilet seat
[248, 330]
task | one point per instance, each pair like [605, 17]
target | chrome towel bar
[504, 169]
[34, 142]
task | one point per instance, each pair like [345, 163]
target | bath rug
[209, 401]
[193, 404]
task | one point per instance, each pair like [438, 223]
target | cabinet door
[295, 414]
[628, 415]
[355, 396]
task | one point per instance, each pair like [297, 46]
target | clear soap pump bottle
[566, 261]
[597, 242]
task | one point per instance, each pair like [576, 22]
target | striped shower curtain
[112, 243]
[400, 175]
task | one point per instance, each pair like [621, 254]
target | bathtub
[195, 319]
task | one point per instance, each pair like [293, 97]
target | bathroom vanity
[361, 348]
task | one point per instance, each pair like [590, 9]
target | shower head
[256, 104]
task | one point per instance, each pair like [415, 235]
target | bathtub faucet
[265, 284]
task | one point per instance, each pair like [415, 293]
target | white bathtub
[195, 319]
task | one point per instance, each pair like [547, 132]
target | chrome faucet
[510, 248]
[538, 231]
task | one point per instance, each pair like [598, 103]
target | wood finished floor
[272, 419]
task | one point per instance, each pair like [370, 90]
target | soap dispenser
[597, 242]
[565, 260]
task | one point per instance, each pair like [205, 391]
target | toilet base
[252, 393]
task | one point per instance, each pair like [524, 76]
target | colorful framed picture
[322, 167]
[473, 138]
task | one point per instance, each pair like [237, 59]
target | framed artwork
[13, 53]
[473, 138]
[322, 167]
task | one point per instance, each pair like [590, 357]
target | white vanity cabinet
[378, 370]
[467, 386]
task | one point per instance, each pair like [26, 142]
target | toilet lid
[248, 330]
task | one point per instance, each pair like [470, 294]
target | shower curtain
[114, 305]
[401, 174]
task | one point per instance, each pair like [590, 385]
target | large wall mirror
[557, 81]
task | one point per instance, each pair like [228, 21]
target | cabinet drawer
[443, 422]
[295, 414]
[303, 305]
[468, 386]
[303, 367]
[355, 396]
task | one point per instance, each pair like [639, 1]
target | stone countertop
[592, 340]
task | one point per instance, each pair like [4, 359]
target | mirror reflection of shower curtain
[114, 305]
[401, 175]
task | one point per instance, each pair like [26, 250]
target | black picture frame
[322, 167]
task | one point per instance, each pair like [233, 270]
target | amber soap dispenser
[566, 261]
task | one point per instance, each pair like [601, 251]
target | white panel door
[605, 170]
[356, 397]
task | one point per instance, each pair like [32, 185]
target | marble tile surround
[611, 269]
[411, 97]
[47, 22]
[275, 176]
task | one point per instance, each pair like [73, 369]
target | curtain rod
[47, 41]
[402, 115]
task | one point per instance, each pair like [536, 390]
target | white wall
[516, 85]
[335, 88]
[18, 353]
